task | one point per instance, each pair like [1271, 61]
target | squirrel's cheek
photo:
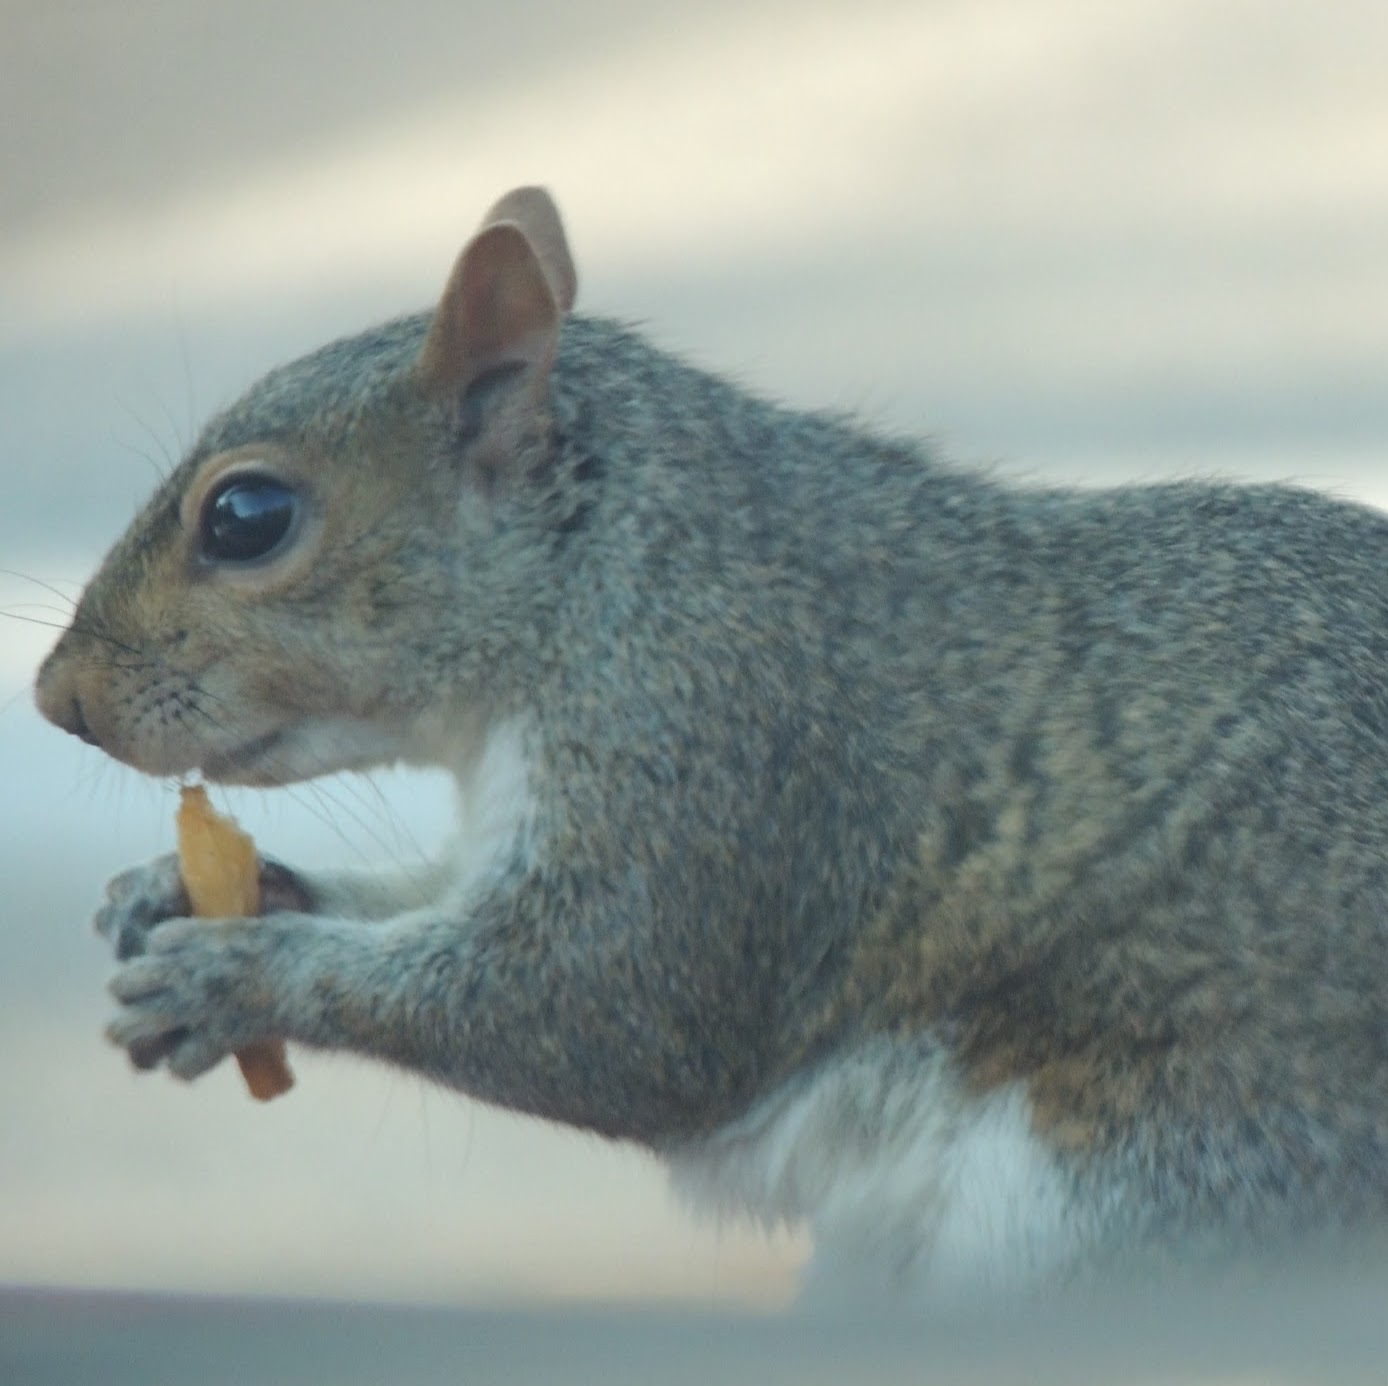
[160, 727]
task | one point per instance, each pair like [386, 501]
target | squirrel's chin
[301, 751]
[253, 762]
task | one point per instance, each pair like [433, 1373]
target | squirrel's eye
[247, 517]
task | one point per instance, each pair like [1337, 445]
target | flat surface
[1326, 1335]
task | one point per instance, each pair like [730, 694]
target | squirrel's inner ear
[505, 299]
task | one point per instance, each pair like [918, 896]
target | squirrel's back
[1103, 777]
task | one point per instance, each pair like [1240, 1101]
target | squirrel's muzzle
[58, 695]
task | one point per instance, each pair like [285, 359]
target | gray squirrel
[993, 878]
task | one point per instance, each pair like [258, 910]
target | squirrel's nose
[58, 699]
[76, 722]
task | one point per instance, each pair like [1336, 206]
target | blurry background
[1073, 238]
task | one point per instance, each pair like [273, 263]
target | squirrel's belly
[907, 1182]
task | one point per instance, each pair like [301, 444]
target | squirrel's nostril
[76, 723]
[57, 693]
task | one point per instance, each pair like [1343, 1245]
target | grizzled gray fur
[816, 750]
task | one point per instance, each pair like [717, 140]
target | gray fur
[833, 745]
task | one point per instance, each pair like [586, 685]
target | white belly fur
[495, 808]
[908, 1185]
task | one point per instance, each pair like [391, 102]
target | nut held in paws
[219, 869]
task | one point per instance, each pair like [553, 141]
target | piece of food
[219, 868]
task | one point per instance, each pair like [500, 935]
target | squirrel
[992, 878]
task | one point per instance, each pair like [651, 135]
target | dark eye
[246, 517]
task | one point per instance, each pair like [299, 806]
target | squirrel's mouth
[303, 748]
[232, 766]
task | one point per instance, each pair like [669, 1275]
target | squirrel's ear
[506, 297]
[533, 210]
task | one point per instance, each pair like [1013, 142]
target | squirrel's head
[353, 554]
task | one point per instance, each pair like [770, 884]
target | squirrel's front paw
[144, 897]
[136, 901]
[199, 990]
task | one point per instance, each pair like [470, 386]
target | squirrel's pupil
[247, 519]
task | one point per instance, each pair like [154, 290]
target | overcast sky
[1079, 238]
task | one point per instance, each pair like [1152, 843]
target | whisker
[365, 791]
[91, 632]
[315, 799]
[400, 831]
[35, 620]
[139, 659]
[363, 824]
[34, 606]
[164, 463]
[295, 791]
[39, 582]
